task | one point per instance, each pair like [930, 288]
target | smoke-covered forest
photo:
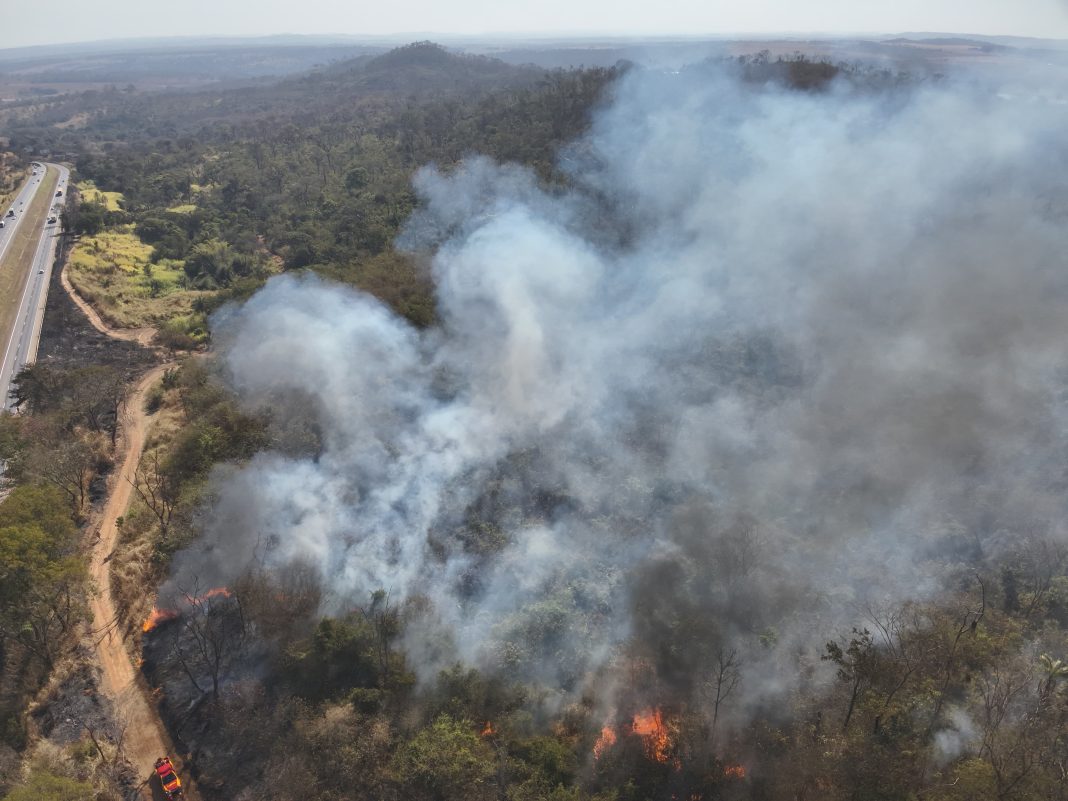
[599, 435]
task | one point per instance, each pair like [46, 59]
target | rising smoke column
[772, 357]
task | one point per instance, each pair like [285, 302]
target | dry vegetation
[140, 559]
[80, 749]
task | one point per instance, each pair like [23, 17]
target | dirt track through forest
[145, 738]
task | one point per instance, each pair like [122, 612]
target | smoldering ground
[771, 357]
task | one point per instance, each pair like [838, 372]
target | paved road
[19, 204]
[21, 348]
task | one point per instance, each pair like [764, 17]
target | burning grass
[604, 742]
[650, 726]
[159, 616]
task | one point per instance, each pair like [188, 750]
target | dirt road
[145, 739]
[142, 336]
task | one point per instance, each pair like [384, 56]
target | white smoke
[954, 740]
[771, 355]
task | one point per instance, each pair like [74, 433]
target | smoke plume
[770, 357]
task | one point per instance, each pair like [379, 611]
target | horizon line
[532, 36]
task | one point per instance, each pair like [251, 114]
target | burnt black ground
[69, 340]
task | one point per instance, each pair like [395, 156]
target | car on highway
[51, 220]
[168, 779]
[10, 212]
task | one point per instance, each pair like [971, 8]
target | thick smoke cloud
[771, 358]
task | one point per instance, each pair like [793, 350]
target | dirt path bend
[145, 738]
[142, 336]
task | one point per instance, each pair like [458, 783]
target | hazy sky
[25, 22]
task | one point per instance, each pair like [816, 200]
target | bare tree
[969, 622]
[725, 677]
[64, 462]
[210, 638]
[158, 488]
[892, 631]
[385, 623]
[1041, 560]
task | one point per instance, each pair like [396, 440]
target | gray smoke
[771, 357]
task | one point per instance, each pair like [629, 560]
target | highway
[20, 202]
[20, 342]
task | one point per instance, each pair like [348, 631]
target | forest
[610, 602]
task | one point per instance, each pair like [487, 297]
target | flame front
[488, 730]
[734, 771]
[650, 726]
[156, 617]
[604, 742]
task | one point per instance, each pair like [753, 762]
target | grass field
[113, 271]
[90, 194]
[185, 208]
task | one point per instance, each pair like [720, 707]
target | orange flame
[604, 742]
[156, 617]
[734, 771]
[488, 730]
[649, 724]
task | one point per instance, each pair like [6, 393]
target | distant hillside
[369, 86]
[171, 66]
[429, 68]
[986, 47]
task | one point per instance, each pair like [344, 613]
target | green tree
[447, 761]
[42, 579]
[210, 264]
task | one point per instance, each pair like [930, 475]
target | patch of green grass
[112, 200]
[114, 272]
